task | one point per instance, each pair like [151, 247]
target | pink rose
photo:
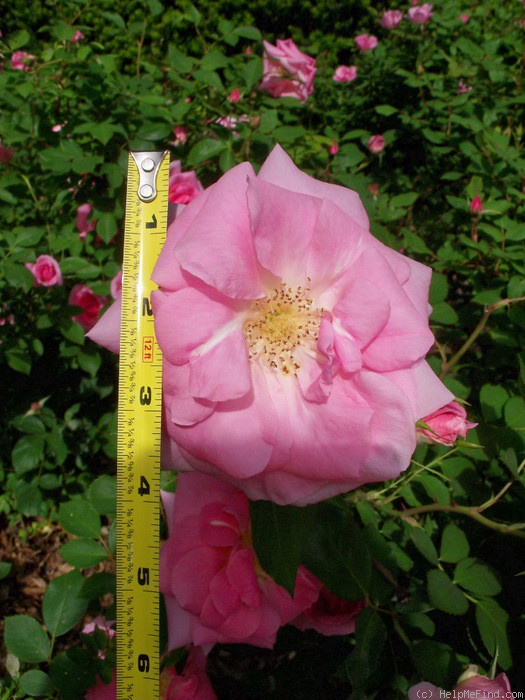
[192, 684]
[328, 615]
[77, 37]
[345, 74]
[103, 691]
[5, 154]
[376, 144]
[46, 271]
[287, 72]
[276, 316]
[234, 96]
[446, 425]
[183, 186]
[116, 285]
[366, 42]
[472, 685]
[464, 18]
[83, 225]
[181, 135]
[419, 14]
[333, 149]
[391, 18]
[463, 87]
[214, 587]
[82, 295]
[19, 60]
[476, 206]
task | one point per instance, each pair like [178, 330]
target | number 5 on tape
[139, 429]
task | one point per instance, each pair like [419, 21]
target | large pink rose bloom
[214, 587]
[287, 72]
[293, 340]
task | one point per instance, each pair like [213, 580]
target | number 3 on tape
[139, 429]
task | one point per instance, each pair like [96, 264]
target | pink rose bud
[234, 96]
[82, 223]
[181, 135]
[366, 42]
[376, 144]
[5, 154]
[287, 72]
[183, 187]
[345, 74]
[77, 37]
[445, 425]
[19, 60]
[476, 206]
[373, 188]
[464, 18]
[46, 271]
[391, 18]
[81, 295]
[333, 148]
[419, 14]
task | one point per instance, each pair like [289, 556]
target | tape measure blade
[138, 443]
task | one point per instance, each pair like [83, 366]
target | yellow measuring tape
[139, 429]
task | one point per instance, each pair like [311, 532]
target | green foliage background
[438, 553]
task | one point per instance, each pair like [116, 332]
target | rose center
[279, 324]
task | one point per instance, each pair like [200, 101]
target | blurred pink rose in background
[376, 144]
[234, 96]
[83, 225]
[214, 587]
[476, 206]
[103, 691]
[276, 314]
[6, 154]
[287, 72]
[464, 18]
[77, 37]
[366, 42]
[183, 186]
[192, 684]
[419, 14]
[46, 271]
[391, 18]
[345, 74]
[446, 425]
[333, 149]
[84, 296]
[181, 135]
[463, 87]
[116, 285]
[20, 59]
[328, 615]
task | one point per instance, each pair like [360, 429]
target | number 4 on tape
[139, 429]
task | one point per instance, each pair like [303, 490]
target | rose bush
[287, 71]
[293, 340]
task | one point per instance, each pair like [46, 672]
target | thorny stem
[489, 310]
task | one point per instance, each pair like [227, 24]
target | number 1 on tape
[139, 429]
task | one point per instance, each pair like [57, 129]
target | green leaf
[438, 288]
[26, 639]
[424, 544]
[370, 638]
[18, 39]
[18, 360]
[204, 150]
[36, 683]
[477, 577]
[103, 495]
[98, 585]
[179, 61]
[403, 200]
[18, 276]
[79, 267]
[107, 226]
[444, 313]
[71, 678]
[5, 568]
[278, 553]
[492, 624]
[62, 607]
[386, 110]
[420, 621]
[435, 662]
[83, 553]
[444, 594]
[248, 33]
[79, 518]
[493, 398]
[27, 453]
[454, 544]
[514, 412]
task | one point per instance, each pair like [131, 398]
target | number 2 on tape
[139, 429]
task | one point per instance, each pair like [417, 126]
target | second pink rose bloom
[287, 71]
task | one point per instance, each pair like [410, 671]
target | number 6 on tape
[139, 429]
